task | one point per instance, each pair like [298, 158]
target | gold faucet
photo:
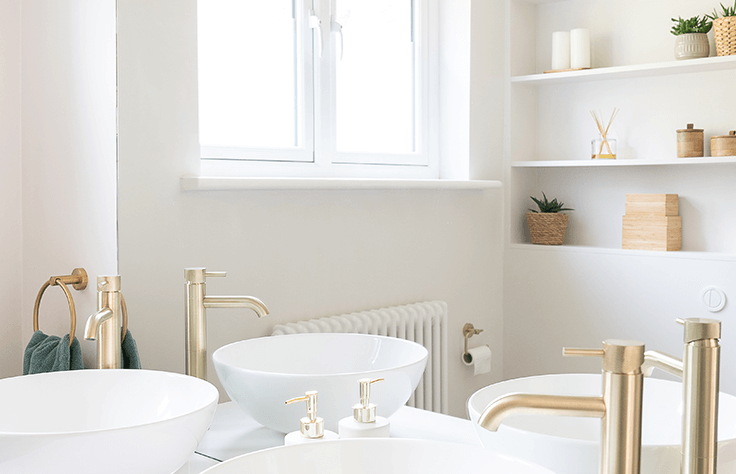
[196, 328]
[699, 370]
[105, 324]
[619, 408]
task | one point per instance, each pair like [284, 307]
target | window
[317, 88]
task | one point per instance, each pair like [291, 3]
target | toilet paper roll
[560, 50]
[479, 358]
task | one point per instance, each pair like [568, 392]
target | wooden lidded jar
[723, 145]
[689, 142]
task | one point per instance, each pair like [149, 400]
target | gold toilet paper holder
[468, 332]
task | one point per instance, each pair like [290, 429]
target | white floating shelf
[718, 63]
[680, 254]
[708, 160]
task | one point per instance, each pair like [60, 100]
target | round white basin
[376, 456]
[570, 445]
[261, 374]
[111, 421]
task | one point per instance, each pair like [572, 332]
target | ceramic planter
[691, 46]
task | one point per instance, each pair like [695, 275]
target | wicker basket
[547, 228]
[724, 30]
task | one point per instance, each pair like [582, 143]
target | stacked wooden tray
[652, 222]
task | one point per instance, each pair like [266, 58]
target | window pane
[375, 78]
[247, 73]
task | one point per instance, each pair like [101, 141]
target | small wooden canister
[723, 145]
[689, 142]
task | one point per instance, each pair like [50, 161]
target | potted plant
[548, 224]
[691, 37]
[724, 30]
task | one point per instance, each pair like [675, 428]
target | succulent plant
[692, 25]
[546, 206]
[727, 11]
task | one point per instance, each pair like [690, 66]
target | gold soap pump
[311, 427]
[364, 423]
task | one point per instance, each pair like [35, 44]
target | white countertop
[233, 433]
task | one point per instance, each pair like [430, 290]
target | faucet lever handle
[619, 355]
[215, 274]
[575, 352]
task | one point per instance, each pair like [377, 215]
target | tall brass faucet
[699, 369]
[105, 325]
[619, 408]
[196, 327]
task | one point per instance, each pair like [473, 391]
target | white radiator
[423, 323]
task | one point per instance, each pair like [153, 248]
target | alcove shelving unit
[548, 127]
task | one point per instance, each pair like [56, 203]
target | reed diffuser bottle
[603, 147]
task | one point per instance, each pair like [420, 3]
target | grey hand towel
[131, 360]
[51, 353]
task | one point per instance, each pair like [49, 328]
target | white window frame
[318, 157]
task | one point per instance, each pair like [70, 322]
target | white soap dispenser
[364, 423]
[312, 427]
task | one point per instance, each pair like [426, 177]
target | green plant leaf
[547, 206]
[691, 25]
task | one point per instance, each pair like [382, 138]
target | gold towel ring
[78, 279]
[124, 308]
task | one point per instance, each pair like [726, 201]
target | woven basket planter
[724, 31]
[547, 228]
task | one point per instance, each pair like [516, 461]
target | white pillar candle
[560, 50]
[579, 48]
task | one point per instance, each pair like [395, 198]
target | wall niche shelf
[548, 128]
[708, 160]
[719, 63]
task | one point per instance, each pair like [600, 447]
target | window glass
[375, 77]
[247, 74]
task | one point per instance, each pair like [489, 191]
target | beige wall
[305, 253]
[68, 143]
[10, 190]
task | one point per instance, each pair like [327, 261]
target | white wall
[69, 169]
[487, 93]
[578, 297]
[10, 190]
[305, 253]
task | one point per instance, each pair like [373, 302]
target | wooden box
[652, 205]
[652, 232]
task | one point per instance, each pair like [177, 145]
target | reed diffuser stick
[604, 142]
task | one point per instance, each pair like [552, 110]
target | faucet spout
[94, 322]
[533, 404]
[660, 360]
[197, 301]
[249, 302]
[619, 408]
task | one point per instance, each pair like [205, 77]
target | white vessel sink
[376, 456]
[261, 374]
[571, 445]
[94, 421]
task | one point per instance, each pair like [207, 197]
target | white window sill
[204, 183]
